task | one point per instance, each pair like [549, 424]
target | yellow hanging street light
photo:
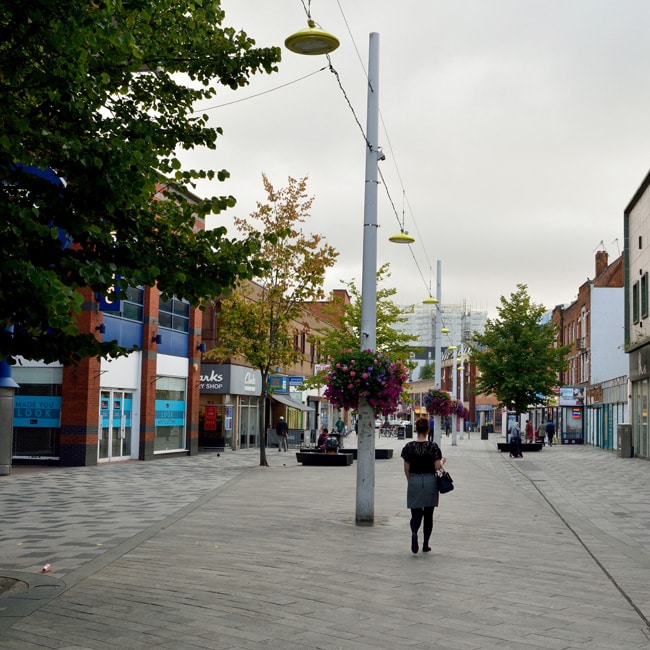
[430, 301]
[311, 41]
[401, 237]
[444, 330]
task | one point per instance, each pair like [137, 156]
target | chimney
[601, 261]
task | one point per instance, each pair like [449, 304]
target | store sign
[278, 383]
[210, 421]
[572, 396]
[229, 379]
[170, 413]
[37, 411]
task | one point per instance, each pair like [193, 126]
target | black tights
[417, 514]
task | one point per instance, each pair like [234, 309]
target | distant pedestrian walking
[447, 426]
[550, 432]
[515, 442]
[432, 424]
[281, 431]
[421, 460]
[529, 431]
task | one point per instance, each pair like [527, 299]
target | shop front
[229, 406]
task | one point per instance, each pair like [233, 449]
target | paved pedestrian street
[551, 551]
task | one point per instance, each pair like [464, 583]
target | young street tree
[346, 335]
[259, 320]
[517, 357]
[97, 98]
[428, 370]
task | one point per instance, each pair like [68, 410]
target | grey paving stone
[208, 552]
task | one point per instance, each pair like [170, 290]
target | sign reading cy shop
[37, 411]
[228, 379]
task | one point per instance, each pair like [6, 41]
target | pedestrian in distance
[550, 432]
[324, 435]
[447, 426]
[282, 431]
[340, 426]
[432, 424]
[529, 431]
[515, 442]
[422, 458]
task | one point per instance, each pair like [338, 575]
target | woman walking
[421, 460]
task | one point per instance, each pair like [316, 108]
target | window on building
[132, 306]
[170, 414]
[644, 295]
[127, 304]
[174, 314]
[635, 302]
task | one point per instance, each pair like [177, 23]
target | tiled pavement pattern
[550, 551]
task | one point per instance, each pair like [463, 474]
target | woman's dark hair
[422, 425]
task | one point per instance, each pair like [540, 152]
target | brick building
[139, 406]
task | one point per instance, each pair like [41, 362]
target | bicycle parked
[388, 432]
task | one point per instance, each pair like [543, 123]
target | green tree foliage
[103, 93]
[346, 335]
[428, 371]
[517, 357]
[258, 321]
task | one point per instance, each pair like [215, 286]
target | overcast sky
[517, 130]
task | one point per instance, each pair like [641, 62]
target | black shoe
[414, 544]
[426, 549]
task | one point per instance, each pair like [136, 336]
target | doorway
[115, 428]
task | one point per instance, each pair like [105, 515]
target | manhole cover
[11, 586]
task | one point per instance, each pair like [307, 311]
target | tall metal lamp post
[315, 41]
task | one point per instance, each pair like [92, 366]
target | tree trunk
[262, 419]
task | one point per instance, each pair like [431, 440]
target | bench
[316, 458]
[380, 454]
[525, 446]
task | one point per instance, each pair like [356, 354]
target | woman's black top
[421, 456]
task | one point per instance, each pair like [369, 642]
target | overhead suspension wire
[307, 8]
[265, 92]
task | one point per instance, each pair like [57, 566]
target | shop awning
[287, 401]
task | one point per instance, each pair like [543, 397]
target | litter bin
[624, 446]
[484, 433]
[409, 430]
[401, 432]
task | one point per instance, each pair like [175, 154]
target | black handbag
[445, 482]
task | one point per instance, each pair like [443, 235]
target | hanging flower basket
[356, 374]
[437, 402]
[458, 409]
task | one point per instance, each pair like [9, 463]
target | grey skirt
[422, 491]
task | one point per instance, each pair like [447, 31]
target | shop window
[174, 314]
[170, 414]
[37, 418]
